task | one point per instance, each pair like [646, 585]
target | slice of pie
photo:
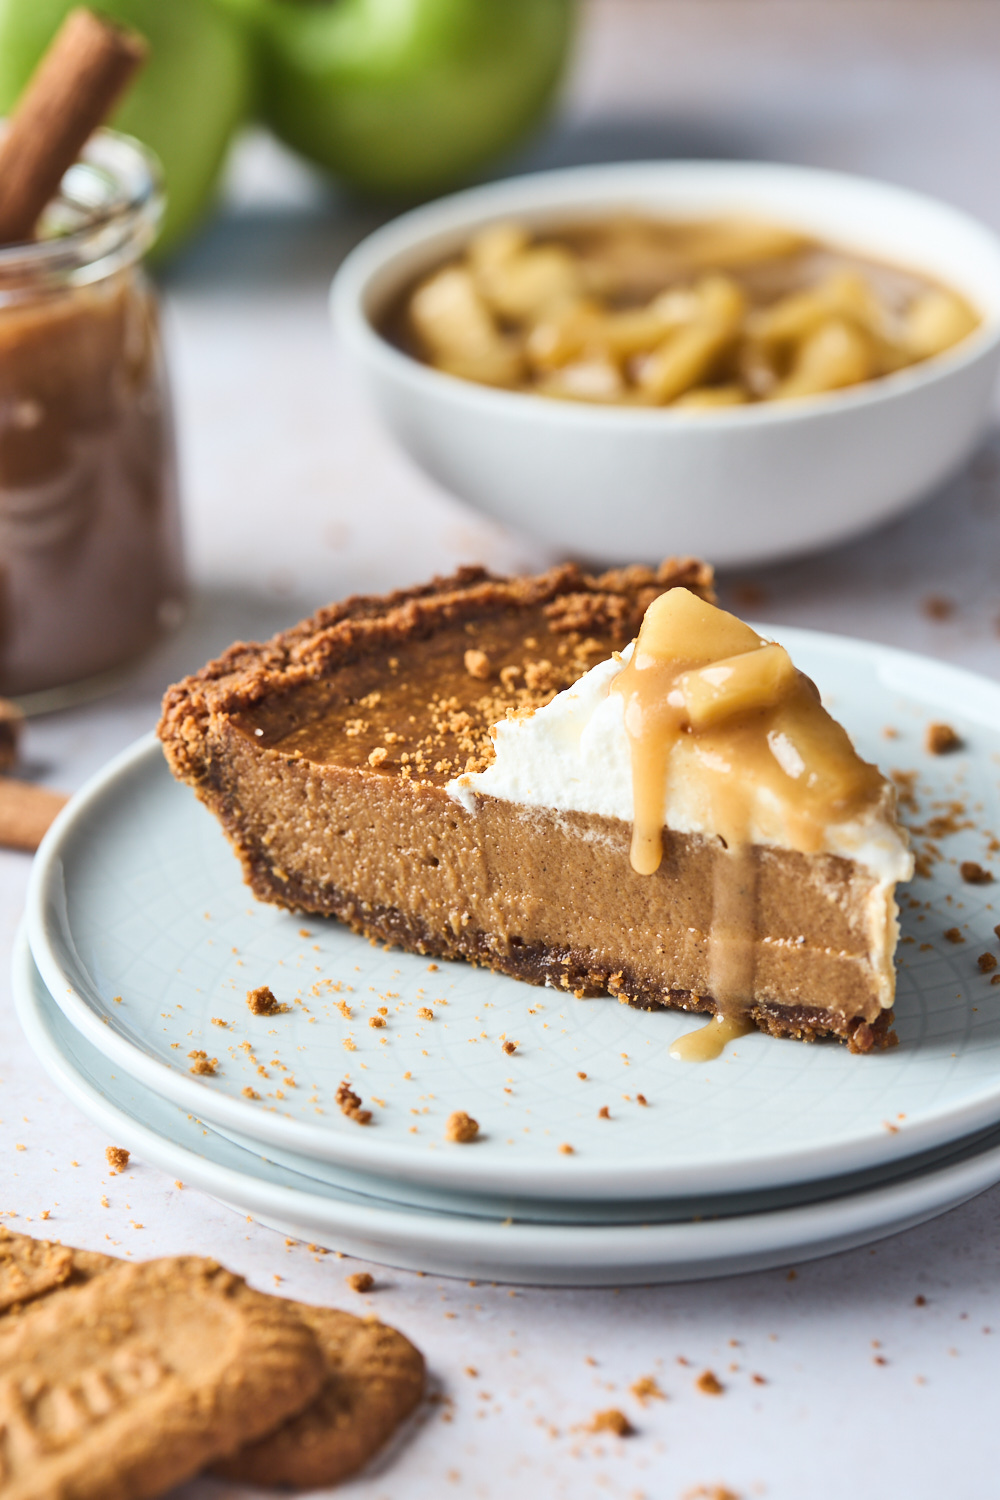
[486, 768]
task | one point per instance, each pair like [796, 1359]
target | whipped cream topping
[574, 755]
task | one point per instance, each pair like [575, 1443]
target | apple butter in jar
[90, 549]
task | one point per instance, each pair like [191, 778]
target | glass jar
[90, 548]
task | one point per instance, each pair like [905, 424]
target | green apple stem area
[399, 99]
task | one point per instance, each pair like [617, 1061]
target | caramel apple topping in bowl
[658, 312]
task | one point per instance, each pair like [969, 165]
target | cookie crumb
[249, 1093]
[116, 1157]
[937, 607]
[581, 1075]
[612, 1420]
[461, 1127]
[709, 1384]
[425, 1013]
[920, 1300]
[478, 665]
[986, 962]
[941, 739]
[954, 935]
[641, 1099]
[566, 1149]
[262, 1001]
[759, 1379]
[509, 1047]
[378, 756]
[604, 1113]
[646, 1389]
[377, 1021]
[974, 874]
[350, 1104]
[361, 1281]
[203, 1064]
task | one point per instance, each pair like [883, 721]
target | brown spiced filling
[325, 754]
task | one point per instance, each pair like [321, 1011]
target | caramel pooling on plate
[706, 696]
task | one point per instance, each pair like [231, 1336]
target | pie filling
[485, 769]
[704, 728]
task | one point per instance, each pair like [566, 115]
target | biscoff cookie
[127, 1385]
[374, 1378]
[30, 1269]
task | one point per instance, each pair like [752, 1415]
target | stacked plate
[599, 1159]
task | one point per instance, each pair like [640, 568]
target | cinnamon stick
[25, 813]
[72, 91]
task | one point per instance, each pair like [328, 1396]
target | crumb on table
[709, 1384]
[646, 1389]
[612, 1420]
[203, 1064]
[361, 1281]
[117, 1158]
[974, 874]
[937, 607]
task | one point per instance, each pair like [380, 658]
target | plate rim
[700, 1249]
[566, 1176]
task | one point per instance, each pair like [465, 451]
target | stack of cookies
[122, 1380]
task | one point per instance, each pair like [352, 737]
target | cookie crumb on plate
[461, 1127]
[941, 739]
[350, 1104]
[262, 1001]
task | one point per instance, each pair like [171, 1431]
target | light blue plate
[144, 933]
[462, 1244]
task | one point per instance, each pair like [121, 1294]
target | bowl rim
[464, 210]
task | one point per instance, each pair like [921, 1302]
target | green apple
[406, 97]
[193, 93]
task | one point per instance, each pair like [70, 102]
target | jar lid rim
[115, 191]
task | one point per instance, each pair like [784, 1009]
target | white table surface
[294, 497]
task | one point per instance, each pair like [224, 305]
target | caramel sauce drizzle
[708, 698]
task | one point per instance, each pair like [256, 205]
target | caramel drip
[653, 724]
[709, 701]
[733, 937]
[709, 1041]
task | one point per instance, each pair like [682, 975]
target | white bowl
[738, 485]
